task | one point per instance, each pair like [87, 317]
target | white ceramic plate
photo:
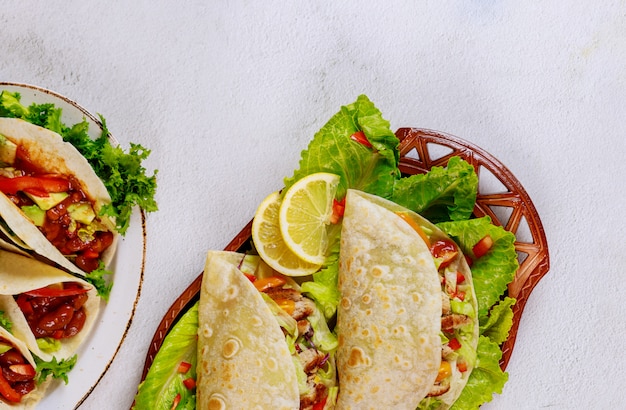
[99, 349]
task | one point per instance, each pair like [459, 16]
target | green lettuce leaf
[11, 107]
[372, 170]
[492, 272]
[324, 288]
[499, 322]
[56, 369]
[442, 194]
[163, 381]
[100, 279]
[486, 378]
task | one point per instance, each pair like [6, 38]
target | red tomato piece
[35, 184]
[459, 277]
[338, 209]
[454, 344]
[445, 250]
[190, 383]
[320, 404]
[184, 367]
[462, 366]
[8, 392]
[175, 402]
[482, 246]
[360, 137]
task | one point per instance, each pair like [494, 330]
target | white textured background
[226, 94]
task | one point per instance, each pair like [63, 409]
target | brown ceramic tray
[500, 195]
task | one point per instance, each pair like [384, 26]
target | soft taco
[51, 200]
[51, 311]
[261, 343]
[19, 388]
[407, 321]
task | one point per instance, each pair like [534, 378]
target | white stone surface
[227, 94]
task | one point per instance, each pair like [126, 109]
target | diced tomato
[483, 246]
[454, 344]
[459, 295]
[445, 250]
[360, 137]
[58, 334]
[320, 404]
[190, 383]
[250, 277]
[41, 185]
[338, 209]
[462, 366]
[8, 392]
[175, 402]
[25, 369]
[56, 292]
[266, 283]
[184, 367]
[459, 277]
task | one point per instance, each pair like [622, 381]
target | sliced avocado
[35, 214]
[50, 201]
[8, 151]
[81, 212]
[5, 347]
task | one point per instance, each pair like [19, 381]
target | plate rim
[475, 156]
[140, 211]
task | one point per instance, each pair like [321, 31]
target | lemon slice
[269, 241]
[305, 213]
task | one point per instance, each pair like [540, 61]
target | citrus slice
[305, 213]
[269, 241]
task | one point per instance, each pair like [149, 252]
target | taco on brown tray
[261, 343]
[407, 322]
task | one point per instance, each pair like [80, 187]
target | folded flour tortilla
[20, 274]
[30, 400]
[52, 155]
[388, 319]
[393, 347]
[243, 359]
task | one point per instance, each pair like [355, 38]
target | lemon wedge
[269, 241]
[305, 214]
